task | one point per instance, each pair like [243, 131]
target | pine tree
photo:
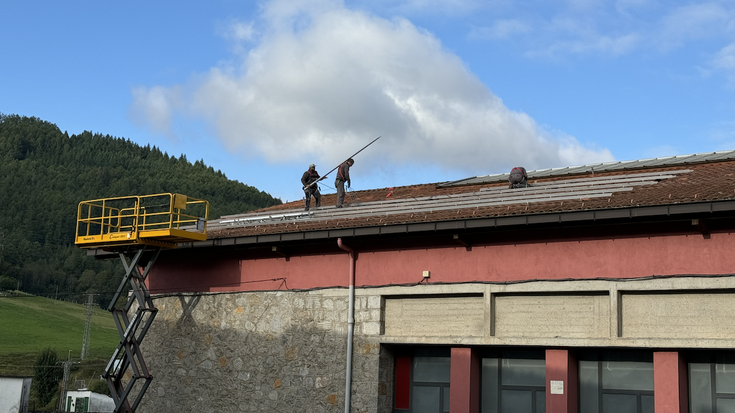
[45, 173]
[47, 373]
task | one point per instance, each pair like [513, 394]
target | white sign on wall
[557, 387]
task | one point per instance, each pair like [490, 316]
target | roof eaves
[488, 222]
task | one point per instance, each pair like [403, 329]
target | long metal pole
[350, 324]
[333, 169]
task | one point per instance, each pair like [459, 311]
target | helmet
[311, 165]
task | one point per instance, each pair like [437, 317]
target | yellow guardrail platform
[162, 220]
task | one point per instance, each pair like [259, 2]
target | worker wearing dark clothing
[309, 177]
[343, 175]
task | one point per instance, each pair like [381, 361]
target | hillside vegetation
[30, 324]
[33, 323]
[45, 173]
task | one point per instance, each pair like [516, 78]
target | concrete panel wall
[435, 316]
[691, 315]
[575, 316]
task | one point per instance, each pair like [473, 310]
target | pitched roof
[671, 185]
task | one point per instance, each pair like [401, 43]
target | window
[514, 382]
[616, 382]
[422, 381]
[712, 383]
[81, 404]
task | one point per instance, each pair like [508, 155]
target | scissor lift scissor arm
[134, 226]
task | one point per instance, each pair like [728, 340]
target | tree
[45, 173]
[7, 283]
[47, 373]
[99, 386]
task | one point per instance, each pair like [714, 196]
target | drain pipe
[350, 324]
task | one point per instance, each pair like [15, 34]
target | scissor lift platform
[161, 220]
[136, 227]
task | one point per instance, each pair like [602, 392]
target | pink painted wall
[610, 258]
[670, 382]
[464, 392]
[561, 366]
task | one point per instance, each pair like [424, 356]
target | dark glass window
[616, 382]
[430, 387]
[422, 377]
[513, 382]
[712, 382]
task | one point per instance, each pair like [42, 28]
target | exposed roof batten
[600, 167]
[571, 189]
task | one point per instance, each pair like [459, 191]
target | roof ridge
[660, 162]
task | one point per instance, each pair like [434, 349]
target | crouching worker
[518, 178]
[309, 180]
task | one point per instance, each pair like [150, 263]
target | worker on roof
[518, 178]
[343, 175]
[309, 180]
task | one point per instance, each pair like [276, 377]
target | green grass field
[28, 324]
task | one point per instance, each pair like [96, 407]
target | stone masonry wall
[264, 352]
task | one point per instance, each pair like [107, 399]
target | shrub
[8, 283]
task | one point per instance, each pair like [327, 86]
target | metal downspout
[350, 324]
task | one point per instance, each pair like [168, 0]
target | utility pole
[87, 328]
[67, 370]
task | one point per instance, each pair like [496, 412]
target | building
[601, 288]
[14, 393]
[84, 400]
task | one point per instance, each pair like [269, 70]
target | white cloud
[576, 28]
[154, 107]
[725, 58]
[238, 31]
[692, 22]
[441, 7]
[624, 5]
[723, 61]
[608, 28]
[502, 29]
[593, 43]
[323, 80]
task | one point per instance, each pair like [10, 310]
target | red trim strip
[403, 382]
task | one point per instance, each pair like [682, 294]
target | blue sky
[456, 88]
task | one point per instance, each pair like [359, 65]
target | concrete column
[464, 387]
[561, 382]
[670, 382]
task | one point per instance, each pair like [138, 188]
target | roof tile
[690, 183]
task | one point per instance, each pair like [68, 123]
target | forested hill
[45, 173]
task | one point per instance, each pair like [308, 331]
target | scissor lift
[137, 228]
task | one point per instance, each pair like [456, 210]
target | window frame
[710, 358]
[411, 352]
[607, 355]
[507, 353]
